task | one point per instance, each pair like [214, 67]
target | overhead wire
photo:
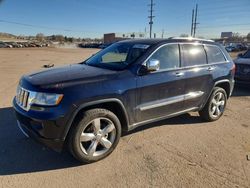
[43, 27]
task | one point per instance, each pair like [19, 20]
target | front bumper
[48, 128]
[26, 126]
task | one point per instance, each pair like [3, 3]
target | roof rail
[191, 38]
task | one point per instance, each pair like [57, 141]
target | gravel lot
[178, 152]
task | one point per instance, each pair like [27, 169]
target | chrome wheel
[97, 137]
[217, 105]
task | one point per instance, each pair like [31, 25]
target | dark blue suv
[86, 106]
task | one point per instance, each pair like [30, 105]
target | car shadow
[22, 155]
[19, 154]
[185, 119]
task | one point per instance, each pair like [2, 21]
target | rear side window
[214, 54]
[193, 54]
[168, 56]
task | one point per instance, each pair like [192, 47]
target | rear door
[219, 67]
[198, 78]
[160, 93]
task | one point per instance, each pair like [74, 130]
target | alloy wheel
[97, 137]
[217, 104]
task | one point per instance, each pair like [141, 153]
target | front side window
[168, 56]
[214, 54]
[193, 54]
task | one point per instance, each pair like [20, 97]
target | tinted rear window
[214, 54]
[193, 54]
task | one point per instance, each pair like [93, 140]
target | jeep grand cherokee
[86, 106]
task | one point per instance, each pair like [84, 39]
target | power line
[224, 7]
[44, 27]
[224, 15]
[241, 29]
[220, 2]
[225, 25]
[151, 17]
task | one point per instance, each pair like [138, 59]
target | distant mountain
[7, 35]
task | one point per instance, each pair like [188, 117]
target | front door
[161, 93]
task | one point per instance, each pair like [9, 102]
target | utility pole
[192, 25]
[195, 20]
[162, 33]
[151, 17]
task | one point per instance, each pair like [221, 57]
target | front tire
[95, 136]
[215, 105]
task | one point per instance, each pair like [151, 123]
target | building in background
[114, 37]
[226, 35]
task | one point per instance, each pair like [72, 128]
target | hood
[69, 74]
[245, 61]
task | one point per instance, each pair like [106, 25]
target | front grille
[22, 98]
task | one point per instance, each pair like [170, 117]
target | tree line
[62, 38]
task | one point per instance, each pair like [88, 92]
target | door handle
[179, 74]
[211, 68]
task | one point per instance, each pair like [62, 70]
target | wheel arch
[224, 84]
[113, 104]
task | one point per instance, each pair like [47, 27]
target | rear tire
[215, 105]
[95, 136]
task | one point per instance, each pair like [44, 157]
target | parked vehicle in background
[234, 47]
[89, 45]
[103, 46]
[23, 44]
[242, 75]
[32, 45]
[231, 49]
[131, 83]
[14, 44]
[9, 45]
[3, 45]
[241, 47]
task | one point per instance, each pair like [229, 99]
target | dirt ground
[178, 152]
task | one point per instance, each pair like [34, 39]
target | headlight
[46, 99]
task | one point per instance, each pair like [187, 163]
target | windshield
[117, 56]
[247, 54]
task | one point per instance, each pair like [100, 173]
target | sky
[93, 18]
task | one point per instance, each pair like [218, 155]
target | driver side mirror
[153, 65]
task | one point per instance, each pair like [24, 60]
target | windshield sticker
[141, 46]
